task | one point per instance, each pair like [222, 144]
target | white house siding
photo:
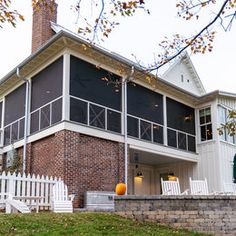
[208, 165]
[226, 156]
[229, 103]
[181, 76]
[145, 185]
[183, 170]
[150, 183]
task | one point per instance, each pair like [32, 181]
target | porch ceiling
[150, 158]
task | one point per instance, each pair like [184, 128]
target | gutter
[26, 117]
[125, 80]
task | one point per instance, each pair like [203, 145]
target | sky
[137, 36]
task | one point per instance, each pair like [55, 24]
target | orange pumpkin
[120, 189]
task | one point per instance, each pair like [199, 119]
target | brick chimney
[41, 28]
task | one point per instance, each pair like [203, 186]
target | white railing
[42, 115]
[147, 132]
[24, 186]
[15, 133]
[98, 119]
[182, 144]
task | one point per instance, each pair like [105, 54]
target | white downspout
[26, 118]
[125, 126]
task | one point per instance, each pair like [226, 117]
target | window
[205, 124]
[0, 114]
[223, 114]
[222, 121]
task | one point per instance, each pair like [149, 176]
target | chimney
[41, 27]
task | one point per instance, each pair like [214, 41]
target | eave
[122, 66]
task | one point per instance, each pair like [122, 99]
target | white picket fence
[27, 186]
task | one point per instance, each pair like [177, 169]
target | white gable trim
[185, 58]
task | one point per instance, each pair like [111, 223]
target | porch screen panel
[113, 121]
[94, 84]
[172, 140]
[191, 144]
[57, 111]
[47, 85]
[132, 127]
[15, 105]
[0, 114]
[180, 116]
[144, 103]
[46, 105]
[158, 134]
[78, 111]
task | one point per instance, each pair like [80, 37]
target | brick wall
[41, 28]
[85, 163]
[92, 164]
[213, 214]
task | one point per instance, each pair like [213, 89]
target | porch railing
[95, 115]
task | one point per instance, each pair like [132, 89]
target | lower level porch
[146, 170]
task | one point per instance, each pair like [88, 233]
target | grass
[80, 224]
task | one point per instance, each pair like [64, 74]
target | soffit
[31, 65]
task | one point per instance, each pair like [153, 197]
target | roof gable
[183, 74]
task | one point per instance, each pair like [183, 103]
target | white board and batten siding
[208, 165]
[229, 103]
[226, 153]
[182, 169]
[183, 76]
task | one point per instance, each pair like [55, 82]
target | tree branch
[193, 39]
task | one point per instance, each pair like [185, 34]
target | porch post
[66, 87]
[124, 98]
[165, 121]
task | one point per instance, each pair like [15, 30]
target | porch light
[139, 174]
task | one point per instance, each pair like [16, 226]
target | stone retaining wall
[214, 214]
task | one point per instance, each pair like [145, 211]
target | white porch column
[165, 121]
[2, 118]
[66, 87]
[124, 127]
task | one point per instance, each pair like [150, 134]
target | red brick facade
[41, 29]
[85, 163]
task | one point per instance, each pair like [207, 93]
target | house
[90, 116]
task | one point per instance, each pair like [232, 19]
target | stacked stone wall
[213, 214]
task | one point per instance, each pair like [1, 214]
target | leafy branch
[230, 126]
[7, 15]
[198, 43]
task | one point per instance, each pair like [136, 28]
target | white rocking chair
[198, 187]
[60, 200]
[170, 187]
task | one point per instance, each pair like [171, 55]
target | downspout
[26, 117]
[127, 79]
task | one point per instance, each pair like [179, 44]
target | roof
[65, 38]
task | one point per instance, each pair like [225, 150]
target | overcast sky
[139, 36]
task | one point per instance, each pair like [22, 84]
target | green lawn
[79, 224]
